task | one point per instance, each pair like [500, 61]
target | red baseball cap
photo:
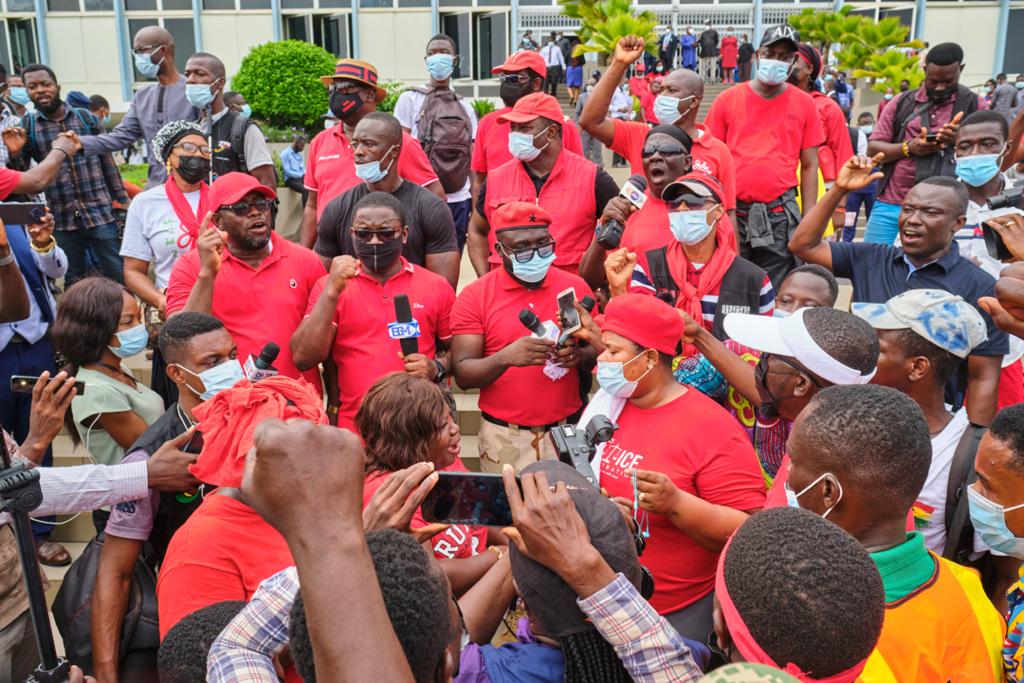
[695, 182]
[230, 187]
[524, 59]
[519, 215]
[644, 320]
[532, 106]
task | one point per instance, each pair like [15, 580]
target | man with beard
[522, 74]
[330, 166]
[245, 274]
[82, 196]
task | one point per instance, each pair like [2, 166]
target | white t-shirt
[152, 231]
[407, 111]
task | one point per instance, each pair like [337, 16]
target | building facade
[87, 42]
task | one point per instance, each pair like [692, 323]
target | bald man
[677, 104]
[152, 105]
[237, 142]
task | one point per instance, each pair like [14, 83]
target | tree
[603, 23]
[281, 82]
[868, 49]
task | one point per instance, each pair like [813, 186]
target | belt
[503, 423]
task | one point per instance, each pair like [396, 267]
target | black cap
[775, 34]
[549, 598]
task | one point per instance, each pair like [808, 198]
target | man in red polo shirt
[351, 313]
[330, 168]
[241, 271]
[522, 73]
[571, 189]
[527, 384]
[772, 128]
[678, 102]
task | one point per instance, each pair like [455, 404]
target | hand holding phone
[569, 317]
[474, 498]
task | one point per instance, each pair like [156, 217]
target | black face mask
[511, 93]
[343, 105]
[378, 257]
[940, 95]
[193, 169]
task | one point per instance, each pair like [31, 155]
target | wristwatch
[442, 372]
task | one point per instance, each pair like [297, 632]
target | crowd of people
[790, 489]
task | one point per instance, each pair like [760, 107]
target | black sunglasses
[524, 255]
[663, 150]
[245, 208]
[383, 235]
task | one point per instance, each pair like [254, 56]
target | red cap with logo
[524, 59]
[519, 215]
[230, 187]
[645, 320]
[532, 106]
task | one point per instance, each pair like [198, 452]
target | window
[140, 5]
[491, 44]
[332, 33]
[63, 6]
[254, 4]
[457, 26]
[20, 6]
[169, 5]
[218, 4]
[99, 5]
[21, 33]
[1013, 58]
[297, 28]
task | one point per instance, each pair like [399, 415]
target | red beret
[519, 215]
[644, 320]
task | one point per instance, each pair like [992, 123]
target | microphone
[262, 366]
[530, 320]
[405, 329]
[609, 233]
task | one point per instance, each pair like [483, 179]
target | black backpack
[445, 132]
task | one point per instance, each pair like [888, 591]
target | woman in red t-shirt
[686, 463]
[405, 420]
[730, 56]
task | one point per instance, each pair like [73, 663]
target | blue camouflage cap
[944, 319]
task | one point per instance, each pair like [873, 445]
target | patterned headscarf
[170, 134]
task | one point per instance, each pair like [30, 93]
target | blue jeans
[24, 359]
[104, 244]
[460, 215]
[855, 200]
[883, 223]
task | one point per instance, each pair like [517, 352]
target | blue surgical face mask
[246, 111]
[772, 71]
[199, 94]
[793, 498]
[867, 129]
[106, 120]
[534, 270]
[989, 520]
[133, 341]
[1019, 85]
[781, 313]
[440, 66]
[666, 109]
[371, 172]
[978, 169]
[689, 227]
[612, 378]
[216, 379]
[887, 96]
[19, 95]
[521, 146]
[145, 66]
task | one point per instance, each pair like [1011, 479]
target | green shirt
[904, 568]
[104, 394]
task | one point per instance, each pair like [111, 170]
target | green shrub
[394, 88]
[483, 107]
[281, 82]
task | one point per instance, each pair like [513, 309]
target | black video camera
[609, 234]
[1009, 198]
[576, 448]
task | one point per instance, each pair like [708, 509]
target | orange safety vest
[946, 630]
[567, 194]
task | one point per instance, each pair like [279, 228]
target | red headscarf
[229, 419]
[710, 275]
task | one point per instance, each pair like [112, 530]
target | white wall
[395, 42]
[973, 28]
[89, 66]
[231, 36]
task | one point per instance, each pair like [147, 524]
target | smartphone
[931, 137]
[567, 309]
[23, 384]
[195, 444]
[22, 213]
[994, 243]
[474, 498]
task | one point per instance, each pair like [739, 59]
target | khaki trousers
[499, 446]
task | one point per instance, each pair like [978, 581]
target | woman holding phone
[164, 222]
[405, 420]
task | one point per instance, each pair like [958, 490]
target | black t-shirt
[431, 229]
[604, 190]
[708, 42]
[746, 53]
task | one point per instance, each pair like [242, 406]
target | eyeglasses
[663, 150]
[385, 235]
[148, 50]
[245, 208]
[514, 78]
[524, 255]
[761, 369]
[192, 148]
[346, 87]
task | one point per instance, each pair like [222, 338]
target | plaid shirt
[648, 646]
[85, 186]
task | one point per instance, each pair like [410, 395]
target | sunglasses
[192, 148]
[664, 150]
[383, 235]
[513, 78]
[761, 369]
[245, 208]
[524, 255]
